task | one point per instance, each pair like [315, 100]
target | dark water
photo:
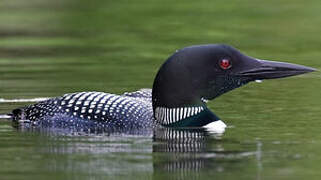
[48, 48]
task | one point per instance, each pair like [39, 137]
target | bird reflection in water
[163, 154]
[195, 154]
[178, 151]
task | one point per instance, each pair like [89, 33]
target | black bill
[263, 69]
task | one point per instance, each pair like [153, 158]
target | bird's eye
[225, 64]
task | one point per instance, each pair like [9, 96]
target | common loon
[182, 86]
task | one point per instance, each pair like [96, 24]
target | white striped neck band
[168, 116]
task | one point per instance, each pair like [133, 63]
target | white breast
[217, 127]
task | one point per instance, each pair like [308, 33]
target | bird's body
[99, 111]
[181, 87]
[88, 111]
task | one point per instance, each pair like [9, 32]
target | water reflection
[179, 140]
[188, 153]
[96, 157]
[165, 153]
[176, 151]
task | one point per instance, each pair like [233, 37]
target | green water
[48, 48]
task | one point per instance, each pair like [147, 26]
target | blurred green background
[48, 48]
[77, 45]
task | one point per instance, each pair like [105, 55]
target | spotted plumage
[90, 109]
[181, 88]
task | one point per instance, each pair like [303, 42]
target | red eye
[225, 64]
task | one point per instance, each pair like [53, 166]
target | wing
[96, 109]
[142, 93]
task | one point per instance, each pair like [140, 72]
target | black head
[207, 71]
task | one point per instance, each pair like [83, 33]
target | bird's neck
[179, 105]
[188, 116]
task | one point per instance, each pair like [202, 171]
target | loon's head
[195, 74]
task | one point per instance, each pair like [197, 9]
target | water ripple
[23, 100]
